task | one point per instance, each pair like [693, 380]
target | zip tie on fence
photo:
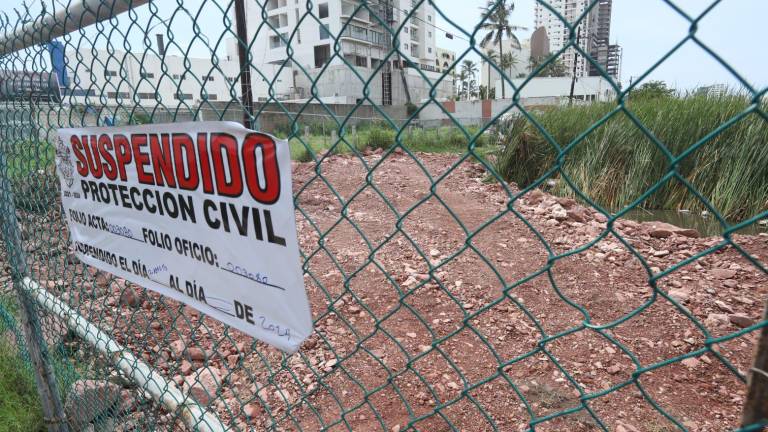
[76, 15]
[164, 392]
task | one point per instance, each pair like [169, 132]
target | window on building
[114, 95]
[209, 78]
[182, 96]
[429, 34]
[375, 63]
[429, 50]
[147, 75]
[110, 73]
[276, 42]
[83, 92]
[322, 10]
[361, 61]
[147, 95]
[175, 76]
[324, 31]
[322, 55]
[429, 18]
[405, 46]
[212, 96]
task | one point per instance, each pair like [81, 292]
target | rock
[252, 410]
[196, 354]
[186, 367]
[129, 297]
[660, 232]
[679, 295]
[691, 362]
[411, 335]
[717, 320]
[559, 213]
[723, 307]
[102, 279]
[576, 215]
[204, 385]
[722, 273]
[127, 402]
[566, 203]
[740, 320]
[660, 253]
[730, 283]
[89, 399]
[241, 347]
[625, 427]
[396, 428]
[613, 370]
[177, 348]
[688, 232]
[664, 230]
[232, 360]
[434, 253]
[534, 197]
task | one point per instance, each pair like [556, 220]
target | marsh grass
[616, 162]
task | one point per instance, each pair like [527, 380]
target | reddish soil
[437, 308]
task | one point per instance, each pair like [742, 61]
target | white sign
[200, 212]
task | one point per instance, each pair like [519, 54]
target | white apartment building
[361, 65]
[98, 77]
[520, 68]
[445, 58]
[593, 34]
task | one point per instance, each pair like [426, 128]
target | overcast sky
[646, 29]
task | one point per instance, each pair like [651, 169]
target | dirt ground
[439, 306]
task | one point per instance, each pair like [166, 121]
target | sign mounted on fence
[201, 212]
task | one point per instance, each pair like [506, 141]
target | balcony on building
[363, 34]
[350, 11]
[279, 20]
[276, 4]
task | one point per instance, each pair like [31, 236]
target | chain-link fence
[461, 277]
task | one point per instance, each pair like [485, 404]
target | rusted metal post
[756, 404]
[245, 67]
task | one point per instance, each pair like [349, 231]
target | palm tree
[491, 57]
[556, 68]
[496, 21]
[469, 69]
[508, 60]
[462, 78]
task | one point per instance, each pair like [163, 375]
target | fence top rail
[78, 14]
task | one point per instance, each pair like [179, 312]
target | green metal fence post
[45, 379]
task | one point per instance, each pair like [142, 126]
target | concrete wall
[273, 117]
[586, 88]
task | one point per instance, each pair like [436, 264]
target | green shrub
[19, 405]
[380, 138]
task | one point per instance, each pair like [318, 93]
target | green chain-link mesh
[440, 300]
